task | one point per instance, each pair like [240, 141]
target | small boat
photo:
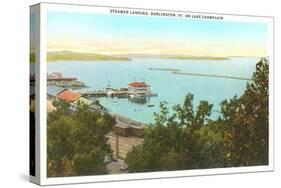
[136, 110]
[150, 105]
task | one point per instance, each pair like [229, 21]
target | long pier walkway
[177, 71]
[104, 93]
[212, 75]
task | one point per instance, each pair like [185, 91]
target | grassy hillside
[68, 55]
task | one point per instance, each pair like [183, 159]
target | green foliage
[90, 163]
[189, 139]
[177, 142]
[76, 141]
[246, 117]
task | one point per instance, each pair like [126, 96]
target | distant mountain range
[69, 55]
[80, 56]
[172, 56]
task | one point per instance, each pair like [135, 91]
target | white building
[138, 89]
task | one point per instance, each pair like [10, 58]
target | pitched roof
[137, 84]
[68, 95]
[54, 90]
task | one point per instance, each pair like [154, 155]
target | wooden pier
[120, 93]
[105, 93]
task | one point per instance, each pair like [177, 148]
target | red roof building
[138, 89]
[137, 84]
[68, 95]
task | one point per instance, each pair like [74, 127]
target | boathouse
[136, 89]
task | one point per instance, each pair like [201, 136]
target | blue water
[170, 87]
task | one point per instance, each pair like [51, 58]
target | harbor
[136, 89]
[153, 81]
[124, 126]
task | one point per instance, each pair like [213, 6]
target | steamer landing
[134, 90]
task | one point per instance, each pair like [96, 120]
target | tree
[189, 139]
[76, 141]
[178, 141]
[246, 122]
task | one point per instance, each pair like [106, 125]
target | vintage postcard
[127, 93]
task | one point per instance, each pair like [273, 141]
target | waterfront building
[138, 89]
[57, 78]
[53, 91]
[68, 96]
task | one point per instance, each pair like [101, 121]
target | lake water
[171, 88]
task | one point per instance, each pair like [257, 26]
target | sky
[128, 34]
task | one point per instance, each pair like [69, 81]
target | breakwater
[178, 72]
